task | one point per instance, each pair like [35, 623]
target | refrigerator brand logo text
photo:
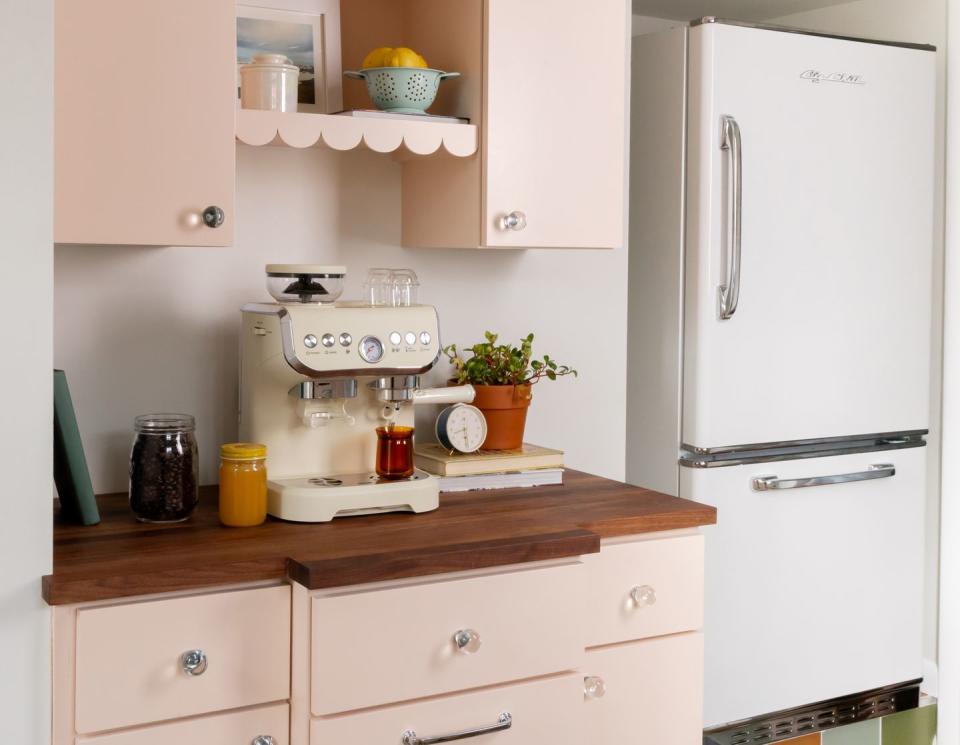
[815, 76]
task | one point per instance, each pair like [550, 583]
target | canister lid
[243, 451]
[271, 60]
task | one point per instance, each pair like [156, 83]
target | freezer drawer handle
[876, 471]
[729, 291]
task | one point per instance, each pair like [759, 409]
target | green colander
[402, 90]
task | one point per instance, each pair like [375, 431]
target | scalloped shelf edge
[302, 130]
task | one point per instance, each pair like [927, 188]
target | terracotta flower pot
[505, 408]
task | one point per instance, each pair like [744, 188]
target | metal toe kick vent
[783, 725]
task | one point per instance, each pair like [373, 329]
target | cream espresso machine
[318, 377]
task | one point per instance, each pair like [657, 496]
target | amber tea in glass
[395, 452]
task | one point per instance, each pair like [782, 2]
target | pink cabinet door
[555, 123]
[145, 99]
[645, 692]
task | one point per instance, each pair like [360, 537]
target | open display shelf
[337, 132]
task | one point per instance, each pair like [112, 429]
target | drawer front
[653, 692]
[645, 588]
[236, 728]
[545, 712]
[396, 644]
[129, 668]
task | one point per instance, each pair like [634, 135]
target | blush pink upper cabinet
[551, 168]
[145, 99]
[555, 123]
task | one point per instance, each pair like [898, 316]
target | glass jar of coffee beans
[163, 468]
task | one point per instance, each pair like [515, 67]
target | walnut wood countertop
[121, 557]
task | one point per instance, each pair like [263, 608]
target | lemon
[405, 57]
[376, 57]
[393, 57]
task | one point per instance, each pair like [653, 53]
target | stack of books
[529, 465]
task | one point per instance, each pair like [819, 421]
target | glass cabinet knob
[594, 687]
[643, 595]
[513, 221]
[213, 216]
[263, 740]
[467, 641]
[193, 662]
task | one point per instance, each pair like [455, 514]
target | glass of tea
[395, 452]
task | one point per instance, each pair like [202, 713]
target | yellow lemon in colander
[376, 57]
[404, 57]
[393, 57]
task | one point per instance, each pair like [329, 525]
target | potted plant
[503, 376]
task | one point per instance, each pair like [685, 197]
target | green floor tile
[861, 733]
[914, 727]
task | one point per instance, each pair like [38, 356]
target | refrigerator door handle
[730, 142]
[876, 471]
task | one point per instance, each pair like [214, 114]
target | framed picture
[308, 33]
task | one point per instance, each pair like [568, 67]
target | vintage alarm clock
[461, 427]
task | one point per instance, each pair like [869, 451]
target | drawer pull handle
[467, 641]
[594, 687]
[193, 662]
[263, 740]
[643, 595]
[504, 721]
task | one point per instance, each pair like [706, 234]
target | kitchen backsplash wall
[156, 329]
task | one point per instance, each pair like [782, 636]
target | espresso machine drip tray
[318, 499]
[356, 479]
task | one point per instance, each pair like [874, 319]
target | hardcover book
[434, 458]
[74, 487]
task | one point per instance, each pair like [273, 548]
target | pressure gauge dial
[461, 427]
[371, 349]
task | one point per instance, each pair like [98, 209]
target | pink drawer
[544, 712]
[652, 692]
[235, 728]
[644, 588]
[395, 644]
[129, 668]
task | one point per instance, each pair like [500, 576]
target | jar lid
[243, 451]
[164, 423]
[275, 61]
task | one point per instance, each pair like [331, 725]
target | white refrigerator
[779, 355]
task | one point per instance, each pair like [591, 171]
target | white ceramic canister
[269, 82]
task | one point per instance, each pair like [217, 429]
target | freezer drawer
[814, 591]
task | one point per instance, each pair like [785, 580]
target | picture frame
[306, 31]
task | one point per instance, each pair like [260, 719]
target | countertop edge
[341, 572]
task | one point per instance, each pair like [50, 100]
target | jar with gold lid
[243, 484]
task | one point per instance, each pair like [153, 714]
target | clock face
[465, 428]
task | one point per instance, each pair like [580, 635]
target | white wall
[922, 21]
[26, 385]
[141, 329]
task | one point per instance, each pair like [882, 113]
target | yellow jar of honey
[243, 484]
